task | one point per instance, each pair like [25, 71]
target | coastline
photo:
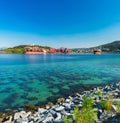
[65, 106]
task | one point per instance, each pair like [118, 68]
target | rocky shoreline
[65, 107]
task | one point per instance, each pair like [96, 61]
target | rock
[48, 120]
[37, 118]
[52, 112]
[8, 120]
[114, 108]
[97, 99]
[58, 118]
[60, 100]
[47, 107]
[16, 116]
[21, 121]
[36, 114]
[80, 105]
[50, 104]
[30, 118]
[60, 108]
[39, 121]
[67, 100]
[41, 110]
[65, 113]
[23, 114]
[31, 122]
[79, 96]
[67, 105]
[1, 119]
[76, 101]
[28, 113]
[70, 97]
[2, 116]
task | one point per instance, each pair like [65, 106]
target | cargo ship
[97, 51]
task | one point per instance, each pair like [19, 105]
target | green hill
[113, 47]
[21, 49]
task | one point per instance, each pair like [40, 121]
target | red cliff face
[53, 50]
[68, 51]
[37, 50]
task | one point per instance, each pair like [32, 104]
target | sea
[38, 79]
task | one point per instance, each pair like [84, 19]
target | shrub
[86, 115]
[68, 119]
[118, 107]
[99, 93]
[107, 105]
[88, 102]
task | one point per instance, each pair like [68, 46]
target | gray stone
[41, 110]
[48, 119]
[58, 118]
[9, 120]
[114, 108]
[16, 116]
[21, 121]
[60, 108]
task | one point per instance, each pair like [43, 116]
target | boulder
[58, 118]
[41, 110]
[8, 120]
[23, 114]
[59, 108]
[28, 113]
[21, 121]
[16, 116]
[60, 100]
[114, 108]
[48, 120]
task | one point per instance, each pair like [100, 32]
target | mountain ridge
[113, 47]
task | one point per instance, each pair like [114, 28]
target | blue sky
[56, 23]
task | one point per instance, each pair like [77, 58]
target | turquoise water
[35, 79]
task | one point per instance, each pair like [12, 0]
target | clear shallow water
[34, 79]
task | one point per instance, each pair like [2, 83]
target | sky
[59, 23]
